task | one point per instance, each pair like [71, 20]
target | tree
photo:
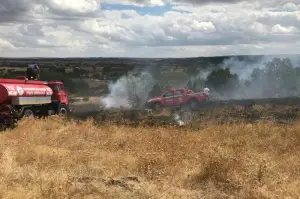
[281, 77]
[106, 70]
[126, 68]
[247, 83]
[156, 91]
[278, 79]
[60, 70]
[137, 88]
[222, 80]
[257, 74]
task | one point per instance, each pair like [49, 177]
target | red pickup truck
[177, 98]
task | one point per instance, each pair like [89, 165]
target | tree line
[278, 78]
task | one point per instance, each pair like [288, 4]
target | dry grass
[53, 159]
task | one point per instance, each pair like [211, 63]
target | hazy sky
[153, 28]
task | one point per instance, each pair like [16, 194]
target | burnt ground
[233, 114]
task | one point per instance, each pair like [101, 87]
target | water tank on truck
[20, 98]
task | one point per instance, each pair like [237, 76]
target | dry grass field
[53, 158]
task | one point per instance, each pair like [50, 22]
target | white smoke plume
[129, 91]
[244, 68]
[178, 119]
[183, 116]
[260, 87]
[201, 75]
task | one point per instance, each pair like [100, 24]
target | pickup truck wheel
[156, 106]
[193, 104]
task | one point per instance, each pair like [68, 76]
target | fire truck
[21, 97]
[178, 97]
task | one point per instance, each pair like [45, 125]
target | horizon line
[129, 57]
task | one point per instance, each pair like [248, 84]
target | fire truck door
[178, 97]
[168, 98]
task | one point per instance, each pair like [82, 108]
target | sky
[153, 28]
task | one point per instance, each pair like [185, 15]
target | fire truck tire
[62, 110]
[28, 112]
[5, 115]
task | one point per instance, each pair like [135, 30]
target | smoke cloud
[258, 81]
[255, 80]
[244, 68]
[129, 92]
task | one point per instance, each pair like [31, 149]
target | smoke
[178, 119]
[257, 81]
[201, 75]
[197, 82]
[183, 116]
[244, 68]
[130, 91]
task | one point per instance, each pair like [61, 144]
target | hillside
[63, 159]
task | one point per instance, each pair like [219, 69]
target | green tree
[222, 80]
[281, 77]
[106, 70]
[156, 91]
[257, 74]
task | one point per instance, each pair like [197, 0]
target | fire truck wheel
[63, 110]
[28, 113]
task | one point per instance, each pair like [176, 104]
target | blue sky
[153, 10]
[142, 10]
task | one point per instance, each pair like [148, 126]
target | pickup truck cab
[177, 98]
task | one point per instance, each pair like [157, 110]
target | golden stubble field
[54, 158]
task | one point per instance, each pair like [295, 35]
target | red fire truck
[21, 97]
